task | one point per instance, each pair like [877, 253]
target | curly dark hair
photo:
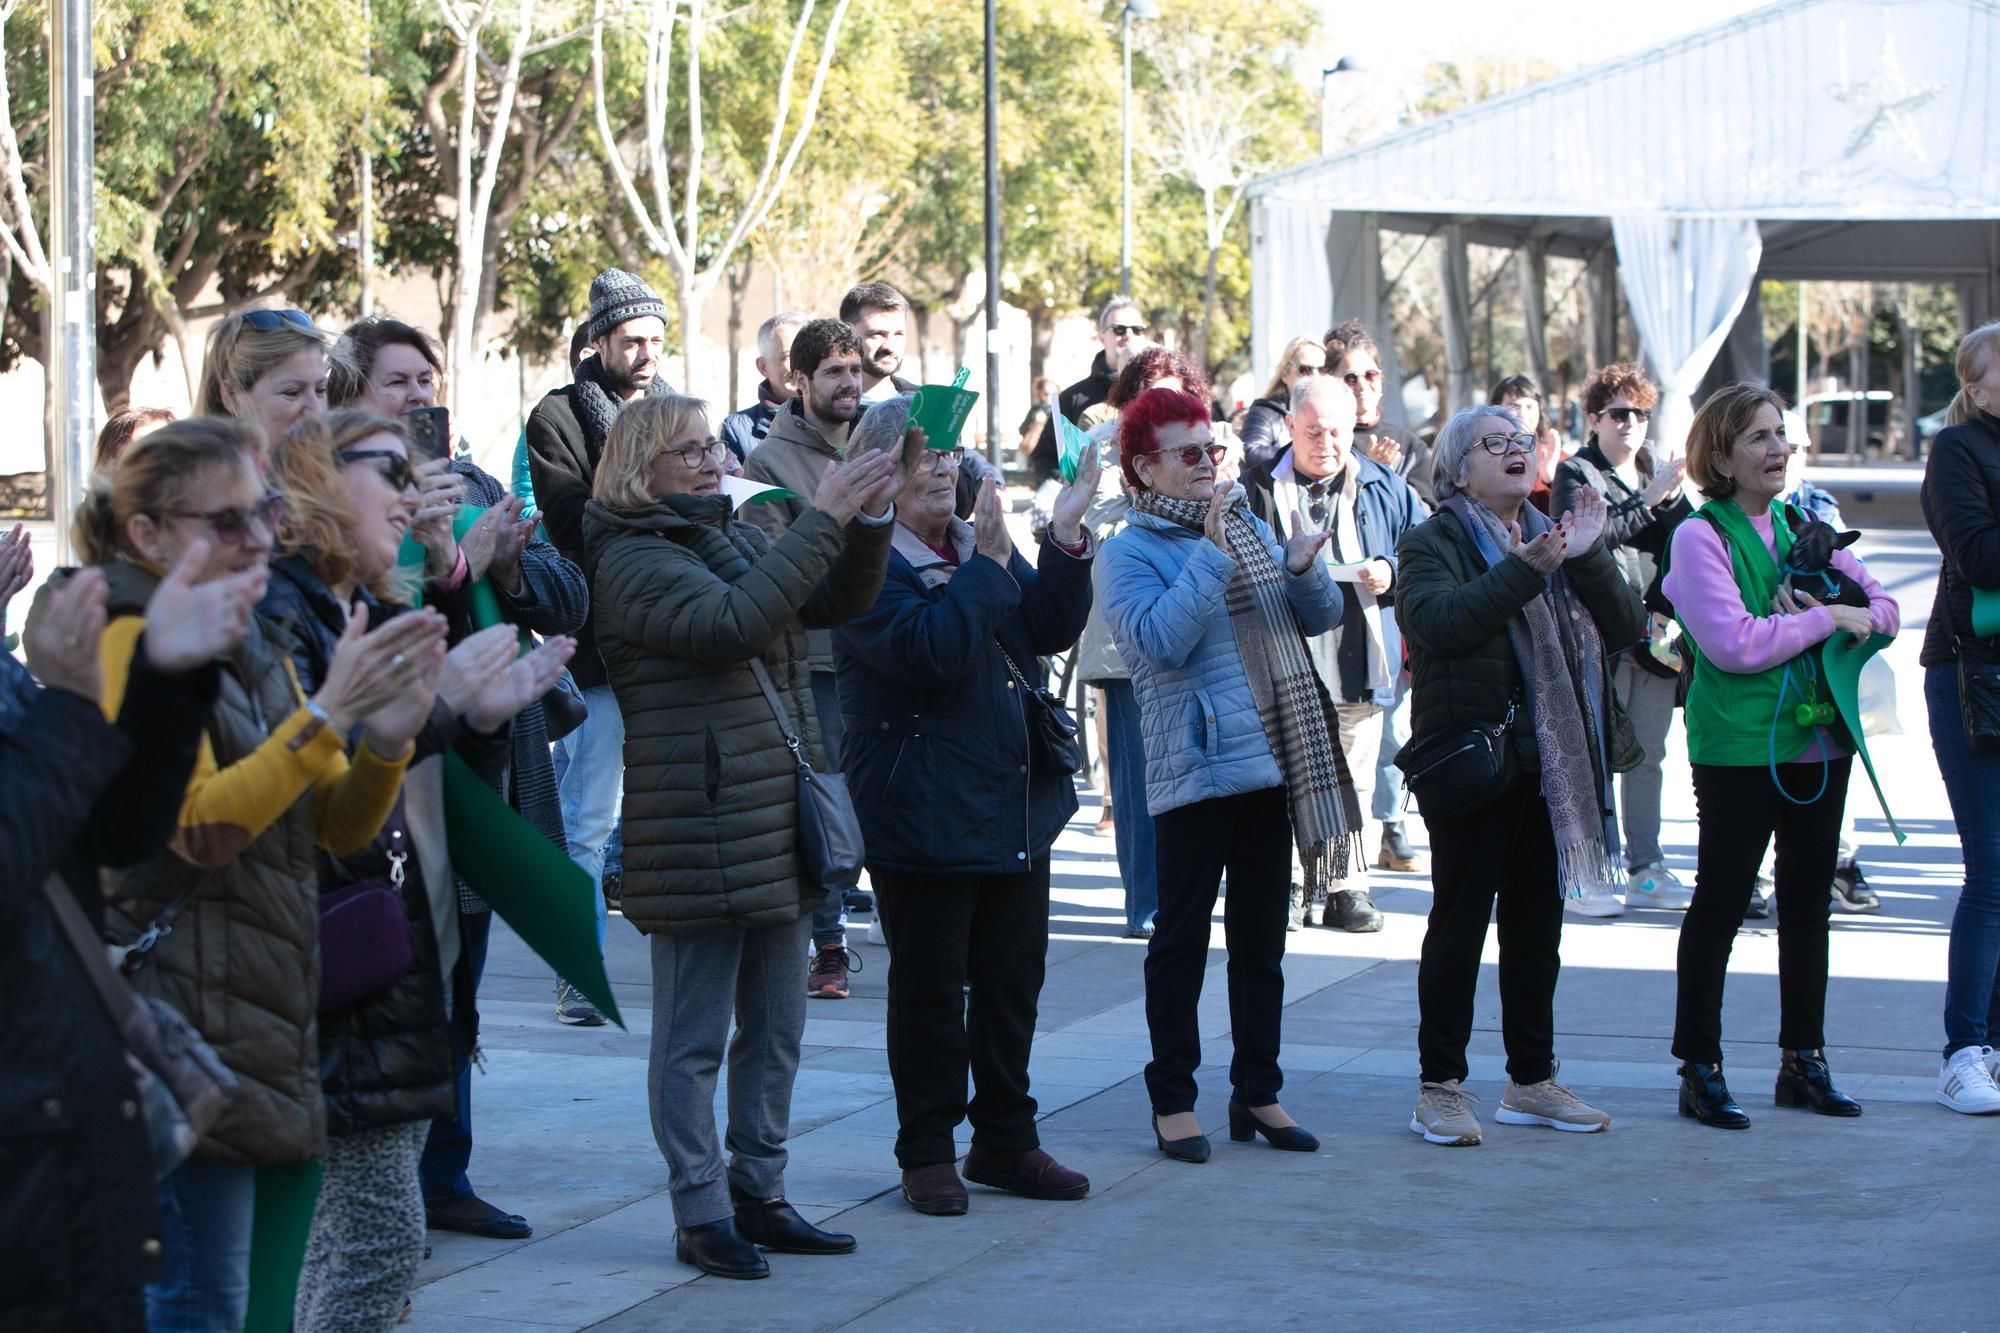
[821, 339]
[1148, 368]
[1607, 382]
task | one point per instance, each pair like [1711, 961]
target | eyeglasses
[232, 526]
[1621, 415]
[941, 460]
[270, 321]
[694, 455]
[1308, 370]
[397, 473]
[1192, 454]
[1369, 377]
[1502, 445]
[1123, 330]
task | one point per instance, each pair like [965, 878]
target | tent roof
[1816, 110]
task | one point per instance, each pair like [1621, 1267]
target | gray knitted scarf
[1292, 702]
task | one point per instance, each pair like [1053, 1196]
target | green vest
[1730, 715]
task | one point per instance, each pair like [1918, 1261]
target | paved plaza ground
[1884, 1222]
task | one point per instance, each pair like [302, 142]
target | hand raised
[62, 637]
[189, 623]
[990, 536]
[1545, 552]
[1304, 546]
[471, 665]
[17, 564]
[1586, 519]
[531, 676]
[1666, 482]
[440, 492]
[1073, 500]
[1215, 524]
[1385, 450]
[865, 481]
[370, 668]
[390, 728]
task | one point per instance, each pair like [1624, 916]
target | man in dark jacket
[627, 327]
[1121, 331]
[745, 430]
[1323, 481]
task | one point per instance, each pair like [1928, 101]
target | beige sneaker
[1549, 1103]
[1442, 1116]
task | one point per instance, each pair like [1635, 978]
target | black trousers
[1250, 836]
[1740, 810]
[945, 931]
[1505, 850]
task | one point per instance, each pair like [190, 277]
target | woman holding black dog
[1769, 754]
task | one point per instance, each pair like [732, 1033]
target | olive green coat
[684, 597]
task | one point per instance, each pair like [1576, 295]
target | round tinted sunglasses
[1191, 454]
[397, 472]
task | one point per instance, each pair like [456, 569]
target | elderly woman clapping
[1241, 755]
[697, 616]
[960, 803]
[1509, 616]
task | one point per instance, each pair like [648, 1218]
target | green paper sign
[1071, 443]
[1841, 659]
[1986, 612]
[281, 1225]
[940, 411]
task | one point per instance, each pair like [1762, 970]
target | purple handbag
[364, 932]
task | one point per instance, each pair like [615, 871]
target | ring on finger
[396, 661]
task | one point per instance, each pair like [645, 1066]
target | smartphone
[430, 433]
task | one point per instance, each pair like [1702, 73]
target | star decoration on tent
[1884, 103]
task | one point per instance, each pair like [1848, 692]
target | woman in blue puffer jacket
[1241, 752]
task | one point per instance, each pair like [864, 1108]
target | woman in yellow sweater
[225, 925]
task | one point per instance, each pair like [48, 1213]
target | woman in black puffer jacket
[1961, 498]
[386, 1059]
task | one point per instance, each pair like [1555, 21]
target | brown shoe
[935, 1190]
[1033, 1174]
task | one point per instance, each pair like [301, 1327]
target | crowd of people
[301, 616]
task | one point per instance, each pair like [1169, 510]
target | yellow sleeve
[350, 807]
[114, 658]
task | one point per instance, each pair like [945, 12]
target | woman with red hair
[1208, 611]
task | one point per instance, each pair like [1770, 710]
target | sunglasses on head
[1355, 381]
[270, 321]
[232, 526]
[1133, 330]
[1621, 415]
[397, 473]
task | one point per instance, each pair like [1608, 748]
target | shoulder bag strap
[134, 1024]
[778, 711]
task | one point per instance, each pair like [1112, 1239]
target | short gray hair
[1455, 441]
[1312, 384]
[882, 427]
[767, 332]
[1113, 306]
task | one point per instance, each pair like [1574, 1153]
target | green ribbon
[1986, 612]
[1841, 660]
[538, 891]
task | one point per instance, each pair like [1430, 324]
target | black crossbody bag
[1459, 771]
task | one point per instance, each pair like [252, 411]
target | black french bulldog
[1809, 567]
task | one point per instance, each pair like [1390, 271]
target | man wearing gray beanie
[627, 329]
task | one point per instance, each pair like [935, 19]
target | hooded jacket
[794, 455]
[686, 596]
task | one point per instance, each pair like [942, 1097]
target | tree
[679, 229]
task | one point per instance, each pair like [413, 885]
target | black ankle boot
[718, 1248]
[1705, 1097]
[776, 1225]
[1804, 1080]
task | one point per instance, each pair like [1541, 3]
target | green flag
[940, 410]
[286, 1197]
[1986, 612]
[1841, 659]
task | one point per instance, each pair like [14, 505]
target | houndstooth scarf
[1292, 701]
[1561, 656]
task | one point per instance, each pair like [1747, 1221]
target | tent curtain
[1459, 390]
[1354, 257]
[1291, 287]
[1685, 279]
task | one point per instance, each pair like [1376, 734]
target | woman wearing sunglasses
[1241, 761]
[266, 368]
[1264, 433]
[386, 1058]
[225, 923]
[1646, 505]
[1506, 614]
[697, 613]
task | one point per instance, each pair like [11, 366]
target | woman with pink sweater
[1770, 756]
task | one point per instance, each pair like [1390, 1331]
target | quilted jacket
[1163, 588]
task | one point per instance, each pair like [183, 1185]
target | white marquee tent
[1811, 139]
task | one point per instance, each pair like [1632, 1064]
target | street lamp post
[71, 365]
[992, 238]
[1344, 65]
[1140, 11]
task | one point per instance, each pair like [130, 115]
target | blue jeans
[1131, 826]
[829, 919]
[206, 1210]
[590, 776]
[448, 1150]
[1972, 781]
[1388, 802]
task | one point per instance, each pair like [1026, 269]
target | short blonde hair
[639, 433]
[238, 356]
[317, 520]
[1978, 352]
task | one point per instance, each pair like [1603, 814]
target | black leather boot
[718, 1248]
[1804, 1080]
[776, 1225]
[1705, 1097]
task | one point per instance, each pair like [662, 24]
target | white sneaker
[1966, 1082]
[1655, 886]
[876, 935]
[1597, 900]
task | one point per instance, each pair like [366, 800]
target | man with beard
[1121, 331]
[627, 329]
[744, 431]
[881, 318]
[808, 434]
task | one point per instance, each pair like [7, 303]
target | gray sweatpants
[367, 1232]
[1649, 702]
[698, 980]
